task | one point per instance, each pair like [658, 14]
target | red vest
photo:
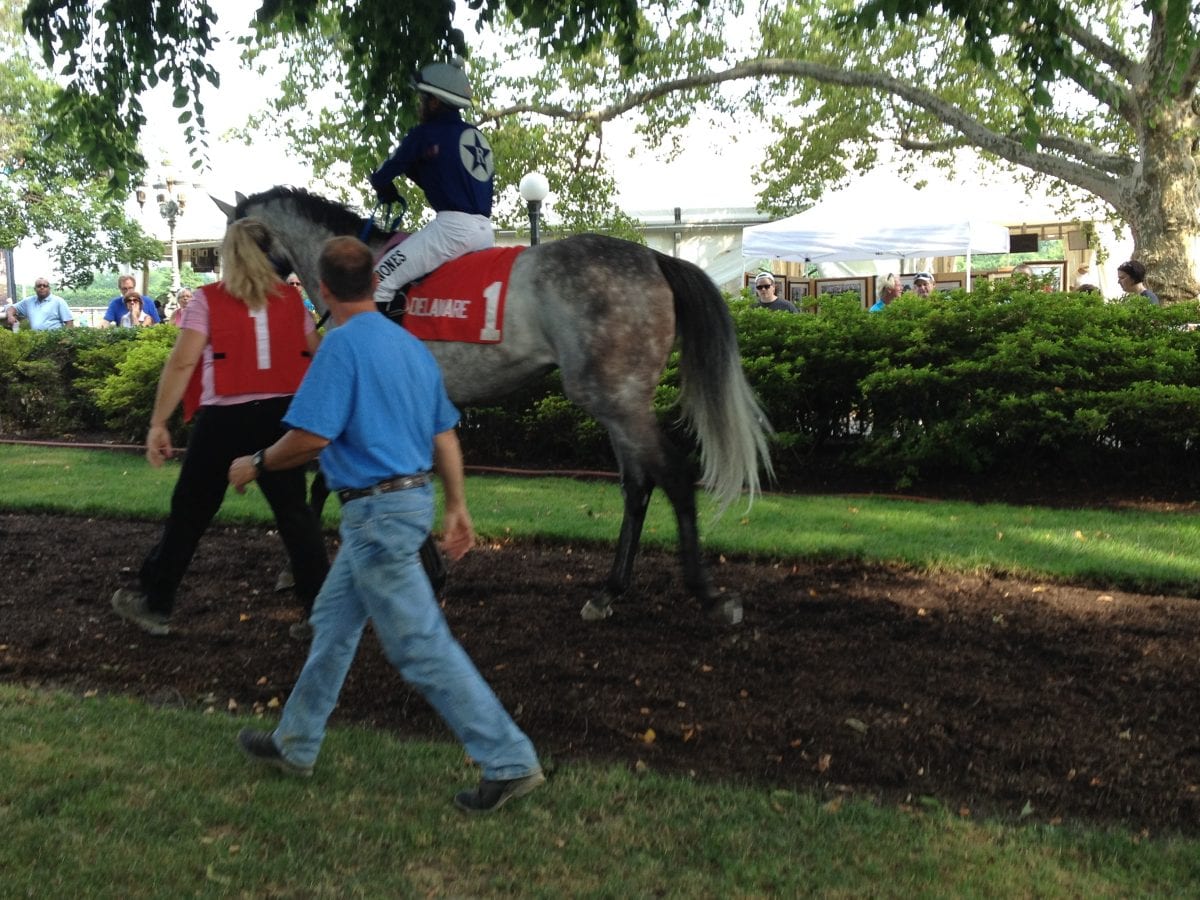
[264, 352]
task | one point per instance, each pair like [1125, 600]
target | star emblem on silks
[476, 154]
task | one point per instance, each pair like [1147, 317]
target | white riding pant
[449, 235]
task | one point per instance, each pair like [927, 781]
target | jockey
[451, 161]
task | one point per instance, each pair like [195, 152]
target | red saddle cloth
[463, 300]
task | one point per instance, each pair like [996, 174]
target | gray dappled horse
[607, 313]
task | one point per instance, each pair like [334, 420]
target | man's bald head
[347, 269]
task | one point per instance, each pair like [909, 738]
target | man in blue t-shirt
[117, 307]
[451, 161]
[374, 409]
[44, 311]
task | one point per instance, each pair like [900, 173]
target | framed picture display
[951, 281]
[1055, 270]
[798, 290]
[859, 286]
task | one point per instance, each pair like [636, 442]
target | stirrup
[396, 308]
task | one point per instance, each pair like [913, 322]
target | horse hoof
[593, 612]
[285, 581]
[728, 611]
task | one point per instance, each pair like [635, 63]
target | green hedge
[1000, 382]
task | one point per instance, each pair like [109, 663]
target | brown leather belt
[399, 483]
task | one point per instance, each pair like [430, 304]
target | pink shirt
[194, 317]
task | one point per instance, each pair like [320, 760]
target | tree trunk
[1162, 211]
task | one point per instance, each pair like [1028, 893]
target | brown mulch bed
[993, 696]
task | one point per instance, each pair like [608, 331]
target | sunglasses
[761, 287]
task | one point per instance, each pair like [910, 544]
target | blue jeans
[377, 575]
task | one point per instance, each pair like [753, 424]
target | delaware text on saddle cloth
[463, 300]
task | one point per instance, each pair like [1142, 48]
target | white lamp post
[534, 187]
[171, 199]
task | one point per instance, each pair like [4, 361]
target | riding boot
[396, 308]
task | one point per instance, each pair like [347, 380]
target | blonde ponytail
[245, 267]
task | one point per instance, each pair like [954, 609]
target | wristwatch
[260, 464]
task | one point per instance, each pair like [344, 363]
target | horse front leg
[317, 496]
[636, 494]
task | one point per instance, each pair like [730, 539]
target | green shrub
[126, 395]
[1002, 382]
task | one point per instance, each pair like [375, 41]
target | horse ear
[239, 197]
[225, 208]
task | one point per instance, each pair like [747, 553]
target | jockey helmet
[446, 81]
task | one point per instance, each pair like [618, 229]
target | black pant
[220, 435]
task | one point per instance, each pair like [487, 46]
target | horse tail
[718, 405]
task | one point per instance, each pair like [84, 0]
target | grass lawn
[108, 797]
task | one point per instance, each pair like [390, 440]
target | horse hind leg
[636, 488]
[668, 467]
[677, 481]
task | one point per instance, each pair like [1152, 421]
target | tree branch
[1099, 48]
[1086, 173]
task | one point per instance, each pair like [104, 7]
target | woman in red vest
[244, 345]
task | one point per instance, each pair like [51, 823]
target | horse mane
[334, 216]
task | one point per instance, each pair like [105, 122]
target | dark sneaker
[258, 745]
[132, 606]
[491, 795]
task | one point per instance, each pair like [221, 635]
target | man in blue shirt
[117, 308]
[374, 408]
[451, 161]
[44, 311]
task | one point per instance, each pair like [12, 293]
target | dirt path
[994, 696]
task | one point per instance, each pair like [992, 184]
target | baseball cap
[764, 276]
[922, 276]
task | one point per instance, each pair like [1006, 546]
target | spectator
[1131, 276]
[117, 308]
[294, 281]
[890, 291]
[44, 311]
[135, 315]
[923, 284]
[215, 366]
[184, 298]
[764, 287]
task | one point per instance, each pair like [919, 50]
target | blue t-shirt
[376, 393]
[449, 159]
[45, 315]
[117, 308]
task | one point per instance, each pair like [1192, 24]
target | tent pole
[968, 267]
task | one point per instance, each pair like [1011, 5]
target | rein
[369, 223]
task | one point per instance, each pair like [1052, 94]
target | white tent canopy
[877, 217]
